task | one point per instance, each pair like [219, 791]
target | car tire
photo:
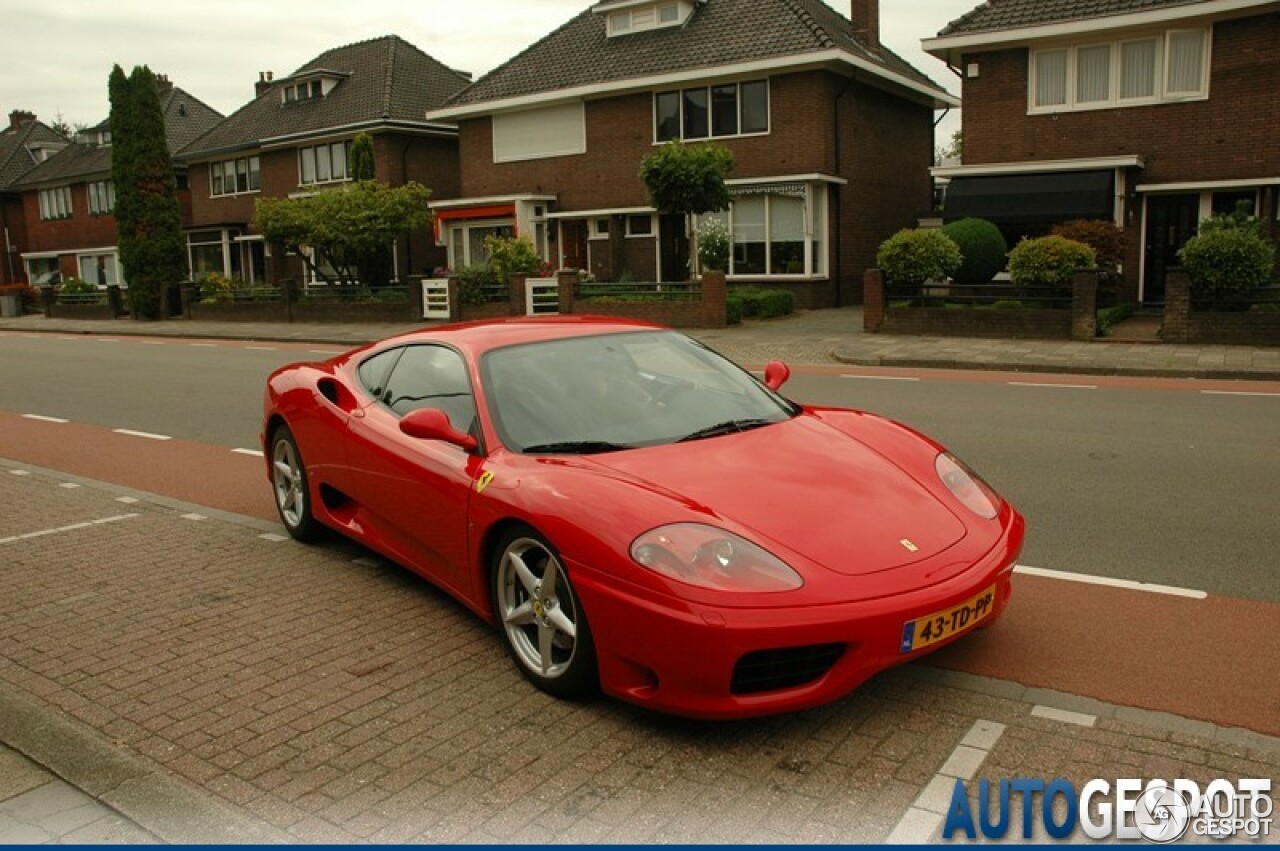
[544, 628]
[290, 488]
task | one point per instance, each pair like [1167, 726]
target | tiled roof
[720, 32]
[185, 118]
[385, 79]
[15, 155]
[995, 15]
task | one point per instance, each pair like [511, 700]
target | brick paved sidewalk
[210, 680]
[812, 337]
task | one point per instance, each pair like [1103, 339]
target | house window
[323, 163]
[44, 271]
[56, 203]
[233, 177]
[466, 240]
[600, 228]
[731, 109]
[102, 199]
[209, 252]
[99, 269]
[1168, 67]
[640, 225]
[776, 231]
[644, 17]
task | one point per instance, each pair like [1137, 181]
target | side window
[373, 371]
[432, 377]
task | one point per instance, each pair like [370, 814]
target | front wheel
[290, 488]
[541, 620]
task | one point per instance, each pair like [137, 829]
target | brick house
[24, 144]
[832, 132]
[1152, 114]
[68, 198]
[294, 137]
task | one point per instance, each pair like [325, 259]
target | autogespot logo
[1157, 811]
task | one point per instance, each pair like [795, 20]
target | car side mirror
[776, 375]
[433, 424]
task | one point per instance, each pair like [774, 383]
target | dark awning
[1047, 198]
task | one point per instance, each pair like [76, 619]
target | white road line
[919, 823]
[881, 377]
[127, 500]
[1066, 716]
[273, 537]
[68, 485]
[106, 339]
[1087, 579]
[194, 516]
[1054, 386]
[19, 472]
[68, 528]
[262, 348]
[324, 352]
[204, 345]
[152, 342]
[148, 435]
[256, 453]
[45, 419]
[1235, 393]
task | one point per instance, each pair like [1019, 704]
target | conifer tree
[148, 216]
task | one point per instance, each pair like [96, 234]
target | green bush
[983, 248]
[214, 287]
[77, 286]
[911, 257]
[1228, 259]
[509, 257]
[1050, 261]
[476, 283]
[733, 309]
[1109, 317]
[764, 304]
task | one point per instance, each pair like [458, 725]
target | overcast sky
[57, 54]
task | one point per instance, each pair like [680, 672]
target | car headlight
[967, 486]
[712, 558]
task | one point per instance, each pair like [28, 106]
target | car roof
[481, 336]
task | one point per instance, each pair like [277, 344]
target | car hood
[806, 486]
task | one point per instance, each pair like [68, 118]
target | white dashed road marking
[256, 453]
[1236, 393]
[42, 418]
[146, 434]
[1053, 386]
[926, 815]
[1128, 584]
[881, 377]
[1066, 716]
[68, 528]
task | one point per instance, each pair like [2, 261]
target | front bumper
[680, 657]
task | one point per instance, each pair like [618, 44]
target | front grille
[783, 667]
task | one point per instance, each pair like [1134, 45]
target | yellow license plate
[933, 628]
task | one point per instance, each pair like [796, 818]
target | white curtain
[1051, 78]
[1186, 62]
[1093, 74]
[1138, 69]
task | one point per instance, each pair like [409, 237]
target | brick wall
[80, 231]
[1229, 135]
[13, 220]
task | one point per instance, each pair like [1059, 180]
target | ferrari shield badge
[909, 545]
[483, 482]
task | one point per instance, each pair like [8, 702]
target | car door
[415, 493]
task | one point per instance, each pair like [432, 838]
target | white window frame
[595, 230]
[815, 198]
[252, 164]
[768, 111]
[1162, 94]
[465, 226]
[643, 18]
[56, 204]
[102, 197]
[345, 144]
[653, 226]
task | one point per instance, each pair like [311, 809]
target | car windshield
[584, 395]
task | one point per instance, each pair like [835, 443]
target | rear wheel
[290, 488]
[541, 620]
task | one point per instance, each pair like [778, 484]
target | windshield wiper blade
[576, 447]
[727, 427]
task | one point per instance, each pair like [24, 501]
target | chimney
[865, 15]
[264, 83]
[19, 117]
[163, 86]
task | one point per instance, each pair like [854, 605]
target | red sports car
[637, 513]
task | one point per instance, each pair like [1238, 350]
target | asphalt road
[1149, 481]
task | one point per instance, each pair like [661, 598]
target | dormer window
[630, 17]
[311, 87]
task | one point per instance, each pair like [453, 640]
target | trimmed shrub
[1050, 261]
[713, 244]
[983, 248]
[77, 286]
[733, 309]
[1106, 240]
[509, 257]
[911, 257]
[764, 304]
[476, 284]
[1227, 263]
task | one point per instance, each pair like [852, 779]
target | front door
[674, 254]
[573, 240]
[1171, 221]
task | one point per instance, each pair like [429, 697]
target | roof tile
[995, 15]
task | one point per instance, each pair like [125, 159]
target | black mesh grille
[784, 667]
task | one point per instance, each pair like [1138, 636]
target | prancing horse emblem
[909, 545]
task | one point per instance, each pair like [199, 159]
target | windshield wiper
[727, 427]
[576, 447]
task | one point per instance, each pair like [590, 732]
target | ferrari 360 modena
[636, 513]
